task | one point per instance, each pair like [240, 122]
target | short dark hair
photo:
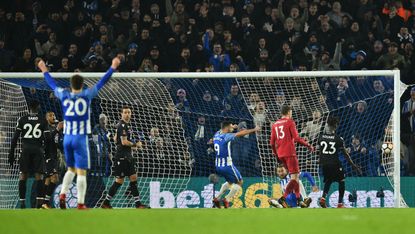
[225, 124]
[34, 106]
[77, 81]
[124, 108]
[285, 109]
[333, 121]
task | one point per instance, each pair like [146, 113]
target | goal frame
[301, 74]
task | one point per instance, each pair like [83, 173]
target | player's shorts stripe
[88, 125]
[81, 127]
[234, 172]
[74, 128]
[87, 152]
[68, 127]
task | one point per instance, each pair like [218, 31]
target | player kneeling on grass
[224, 167]
[285, 179]
[123, 162]
[329, 146]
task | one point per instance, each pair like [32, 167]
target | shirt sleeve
[93, 91]
[59, 93]
[229, 137]
[50, 81]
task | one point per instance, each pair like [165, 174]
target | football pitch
[200, 221]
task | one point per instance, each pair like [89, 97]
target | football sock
[225, 186]
[49, 191]
[297, 190]
[342, 188]
[326, 188]
[81, 186]
[67, 180]
[112, 191]
[234, 190]
[291, 186]
[40, 193]
[134, 192]
[22, 189]
[302, 191]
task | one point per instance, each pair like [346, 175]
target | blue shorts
[230, 173]
[76, 149]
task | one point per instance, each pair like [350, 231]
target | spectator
[209, 104]
[260, 114]
[217, 58]
[74, 59]
[254, 99]
[392, 59]
[147, 66]
[298, 19]
[182, 103]
[6, 57]
[24, 63]
[336, 14]
[357, 151]
[64, 65]
[311, 129]
[408, 137]
[324, 62]
[233, 103]
[101, 138]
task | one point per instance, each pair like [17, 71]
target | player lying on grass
[284, 180]
[284, 135]
[76, 104]
[224, 167]
[329, 146]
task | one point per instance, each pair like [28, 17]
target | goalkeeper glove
[11, 157]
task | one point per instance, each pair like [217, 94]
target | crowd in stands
[229, 36]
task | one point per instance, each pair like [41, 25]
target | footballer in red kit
[284, 135]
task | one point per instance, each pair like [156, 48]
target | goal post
[151, 93]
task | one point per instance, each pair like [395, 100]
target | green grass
[200, 221]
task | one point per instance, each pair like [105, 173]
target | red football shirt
[284, 134]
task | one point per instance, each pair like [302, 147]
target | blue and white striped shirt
[222, 144]
[76, 106]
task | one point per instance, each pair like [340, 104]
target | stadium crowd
[226, 35]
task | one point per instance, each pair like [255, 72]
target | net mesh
[12, 107]
[177, 118]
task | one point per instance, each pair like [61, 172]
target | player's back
[222, 146]
[283, 137]
[330, 145]
[32, 127]
[76, 111]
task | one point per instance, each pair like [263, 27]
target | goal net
[176, 115]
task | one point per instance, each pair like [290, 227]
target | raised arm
[48, 78]
[115, 63]
[247, 131]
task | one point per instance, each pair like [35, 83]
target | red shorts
[291, 163]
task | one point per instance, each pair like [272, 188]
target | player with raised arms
[330, 144]
[224, 167]
[284, 135]
[77, 125]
